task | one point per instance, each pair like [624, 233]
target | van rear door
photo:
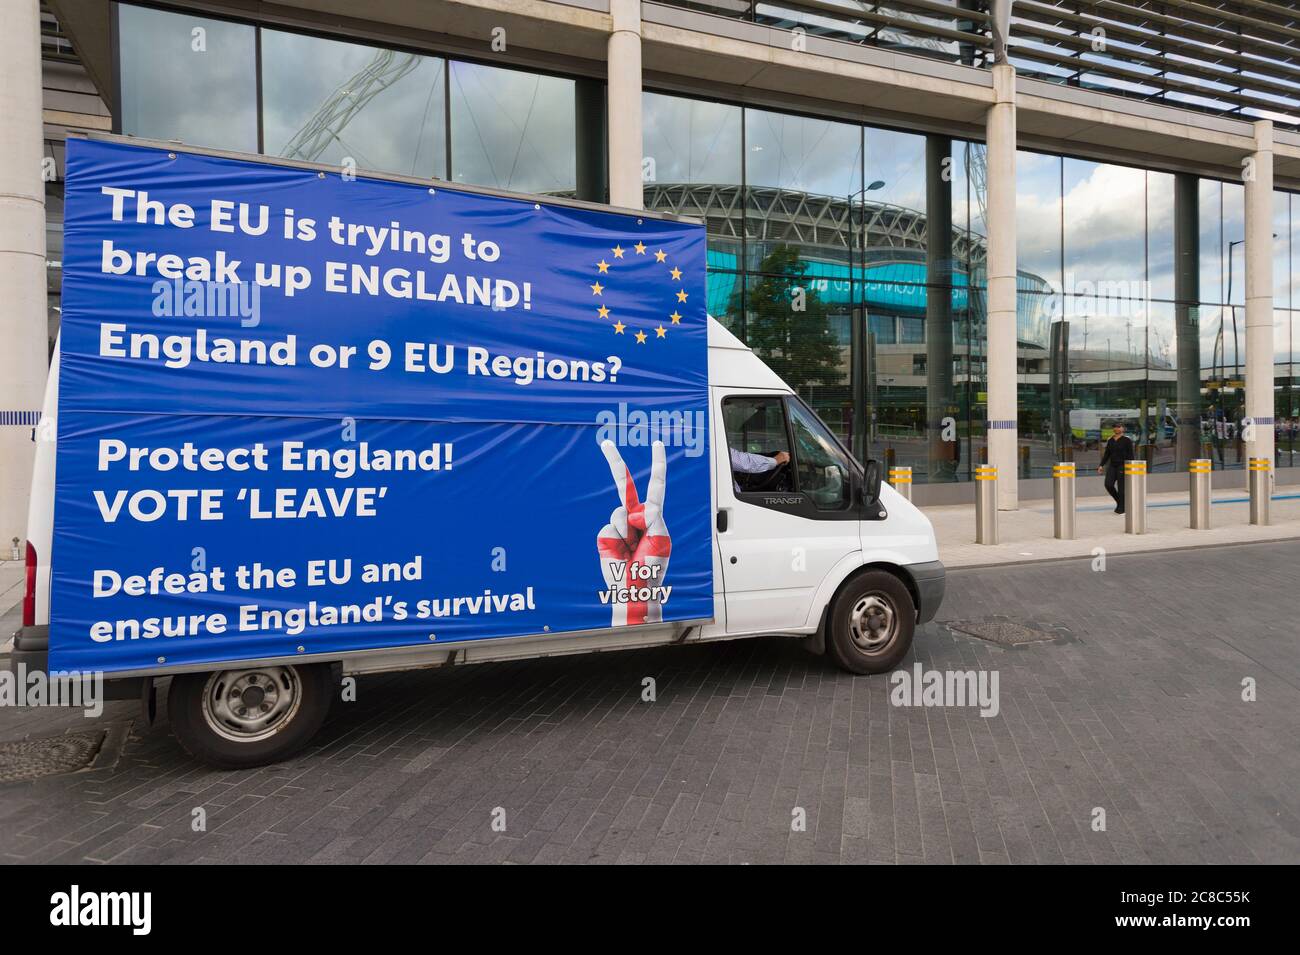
[781, 527]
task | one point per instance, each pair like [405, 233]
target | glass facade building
[851, 257]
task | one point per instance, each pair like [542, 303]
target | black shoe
[1119, 510]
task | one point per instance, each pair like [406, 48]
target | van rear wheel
[240, 718]
[871, 623]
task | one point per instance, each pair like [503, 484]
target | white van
[814, 547]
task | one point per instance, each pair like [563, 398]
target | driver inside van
[757, 422]
[746, 462]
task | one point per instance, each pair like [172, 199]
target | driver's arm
[743, 462]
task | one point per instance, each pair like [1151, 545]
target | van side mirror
[871, 486]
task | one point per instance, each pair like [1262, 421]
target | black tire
[880, 640]
[216, 716]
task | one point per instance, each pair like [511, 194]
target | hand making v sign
[634, 546]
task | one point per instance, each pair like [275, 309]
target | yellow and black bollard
[986, 504]
[1198, 479]
[901, 479]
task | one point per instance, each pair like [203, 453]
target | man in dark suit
[1118, 450]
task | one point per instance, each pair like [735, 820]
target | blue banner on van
[310, 413]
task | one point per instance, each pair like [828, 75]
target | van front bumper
[931, 581]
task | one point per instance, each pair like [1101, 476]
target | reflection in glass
[1211, 240]
[324, 101]
[790, 323]
[691, 166]
[512, 130]
[1160, 236]
[1105, 236]
[1038, 216]
[1234, 243]
[802, 178]
[1287, 410]
[187, 78]
[1281, 250]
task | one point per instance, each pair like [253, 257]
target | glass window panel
[188, 78]
[726, 299]
[892, 206]
[512, 130]
[897, 162]
[1294, 265]
[821, 467]
[1223, 371]
[1211, 240]
[1038, 217]
[692, 166]
[1281, 250]
[1287, 411]
[756, 432]
[1107, 370]
[1160, 236]
[969, 200]
[1234, 245]
[1157, 433]
[885, 328]
[324, 101]
[1105, 233]
[801, 175]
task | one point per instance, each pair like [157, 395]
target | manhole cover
[1004, 632]
[34, 758]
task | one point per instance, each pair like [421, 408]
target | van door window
[820, 464]
[759, 444]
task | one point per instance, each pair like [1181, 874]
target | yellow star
[618, 252]
[660, 255]
[676, 317]
[603, 312]
[681, 295]
[640, 248]
[602, 265]
[640, 338]
[597, 289]
[661, 331]
[618, 328]
[676, 274]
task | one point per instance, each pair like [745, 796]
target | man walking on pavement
[1118, 450]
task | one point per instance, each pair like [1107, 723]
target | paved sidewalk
[1026, 535]
[1137, 710]
[13, 577]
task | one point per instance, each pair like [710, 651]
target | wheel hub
[872, 622]
[247, 705]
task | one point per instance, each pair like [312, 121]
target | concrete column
[624, 113]
[23, 322]
[1259, 292]
[1001, 310]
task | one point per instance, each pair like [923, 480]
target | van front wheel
[871, 623]
[237, 719]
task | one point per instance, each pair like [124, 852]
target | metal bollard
[1198, 479]
[901, 479]
[1063, 498]
[986, 504]
[1135, 497]
[1260, 490]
